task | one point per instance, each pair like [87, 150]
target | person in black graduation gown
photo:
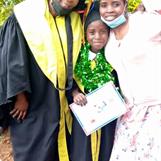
[39, 45]
[98, 145]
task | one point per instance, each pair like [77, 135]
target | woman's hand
[21, 106]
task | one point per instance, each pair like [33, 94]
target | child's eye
[116, 4]
[92, 32]
[103, 5]
[103, 31]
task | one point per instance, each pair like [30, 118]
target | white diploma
[104, 105]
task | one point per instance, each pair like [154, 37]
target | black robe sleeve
[14, 75]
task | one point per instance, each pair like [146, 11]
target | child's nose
[109, 8]
[97, 35]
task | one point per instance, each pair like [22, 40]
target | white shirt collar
[91, 55]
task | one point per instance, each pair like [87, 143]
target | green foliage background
[6, 7]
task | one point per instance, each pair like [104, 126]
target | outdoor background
[6, 7]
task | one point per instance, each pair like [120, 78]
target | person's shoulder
[152, 15]
[146, 16]
[7, 27]
[152, 20]
[145, 19]
[10, 22]
[148, 24]
[137, 17]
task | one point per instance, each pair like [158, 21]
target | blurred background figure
[141, 8]
[152, 6]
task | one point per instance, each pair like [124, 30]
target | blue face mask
[116, 22]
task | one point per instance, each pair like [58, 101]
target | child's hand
[21, 106]
[80, 99]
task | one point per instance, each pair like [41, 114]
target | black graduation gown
[80, 149]
[81, 144]
[35, 138]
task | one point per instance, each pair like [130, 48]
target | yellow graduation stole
[96, 136]
[39, 29]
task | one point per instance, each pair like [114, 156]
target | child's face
[97, 35]
[111, 9]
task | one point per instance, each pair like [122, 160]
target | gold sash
[37, 25]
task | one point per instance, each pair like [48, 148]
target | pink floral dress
[137, 60]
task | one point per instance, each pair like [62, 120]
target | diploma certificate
[104, 105]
